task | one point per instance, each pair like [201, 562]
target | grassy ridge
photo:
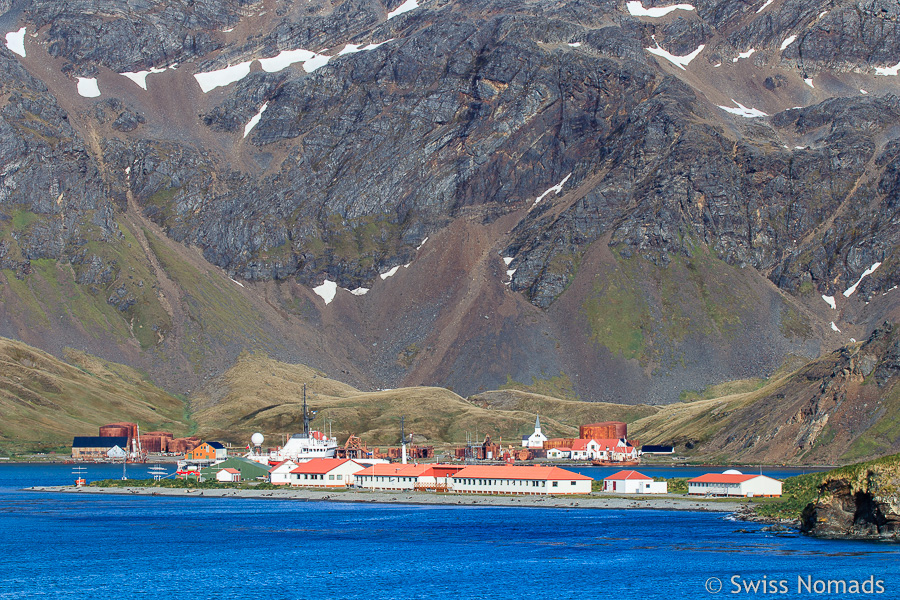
[800, 490]
[46, 401]
[261, 394]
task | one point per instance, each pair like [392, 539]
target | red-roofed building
[514, 479]
[325, 472]
[585, 449]
[406, 477]
[733, 483]
[558, 453]
[632, 482]
[228, 475]
[280, 474]
[616, 450]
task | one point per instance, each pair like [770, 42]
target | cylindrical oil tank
[165, 434]
[151, 443]
[114, 431]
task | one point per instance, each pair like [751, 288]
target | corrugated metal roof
[723, 478]
[99, 442]
[398, 470]
[520, 472]
[320, 466]
[628, 474]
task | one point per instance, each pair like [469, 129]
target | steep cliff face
[643, 204]
[862, 503]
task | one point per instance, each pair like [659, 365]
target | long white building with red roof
[519, 480]
[325, 472]
[733, 483]
[392, 477]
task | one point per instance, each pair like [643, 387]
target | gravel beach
[656, 502]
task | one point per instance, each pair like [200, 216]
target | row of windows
[317, 476]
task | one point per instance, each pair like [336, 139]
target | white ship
[299, 448]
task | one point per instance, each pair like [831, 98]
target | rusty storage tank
[151, 443]
[606, 430]
[114, 430]
[558, 443]
[165, 434]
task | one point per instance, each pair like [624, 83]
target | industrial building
[734, 483]
[96, 447]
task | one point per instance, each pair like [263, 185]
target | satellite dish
[732, 472]
[257, 439]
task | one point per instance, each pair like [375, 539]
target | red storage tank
[151, 443]
[610, 430]
[115, 431]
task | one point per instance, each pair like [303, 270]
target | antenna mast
[305, 415]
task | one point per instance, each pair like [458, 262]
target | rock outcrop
[863, 503]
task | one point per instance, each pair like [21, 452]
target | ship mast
[305, 415]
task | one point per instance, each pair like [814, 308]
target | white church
[536, 439]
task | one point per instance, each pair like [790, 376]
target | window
[555, 484]
[340, 477]
[331, 477]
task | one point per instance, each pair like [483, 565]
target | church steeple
[537, 423]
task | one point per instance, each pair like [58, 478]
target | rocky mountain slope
[838, 409]
[637, 198]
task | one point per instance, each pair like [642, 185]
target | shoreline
[594, 501]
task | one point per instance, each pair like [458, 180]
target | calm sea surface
[64, 546]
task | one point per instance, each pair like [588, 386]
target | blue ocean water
[68, 546]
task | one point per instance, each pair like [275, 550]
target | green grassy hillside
[46, 401]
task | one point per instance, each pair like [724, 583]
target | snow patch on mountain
[212, 79]
[764, 6]
[788, 41]
[403, 8]
[360, 291]
[835, 327]
[809, 82]
[679, 61]
[830, 301]
[746, 54]
[389, 273]
[253, 121]
[743, 111]
[140, 77]
[850, 290]
[354, 48]
[888, 71]
[636, 9]
[15, 41]
[556, 188]
[327, 290]
[87, 87]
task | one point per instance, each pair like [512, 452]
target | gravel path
[656, 502]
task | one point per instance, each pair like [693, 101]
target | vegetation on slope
[261, 394]
[801, 490]
[46, 401]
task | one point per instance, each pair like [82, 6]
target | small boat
[615, 463]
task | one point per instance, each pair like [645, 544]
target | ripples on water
[141, 547]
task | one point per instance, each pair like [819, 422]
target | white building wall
[386, 482]
[467, 485]
[761, 486]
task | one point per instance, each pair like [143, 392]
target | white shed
[280, 474]
[228, 475]
[632, 482]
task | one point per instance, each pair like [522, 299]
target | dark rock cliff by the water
[858, 503]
